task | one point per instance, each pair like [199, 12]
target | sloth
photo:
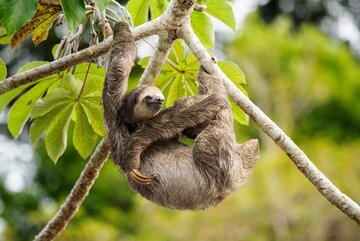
[144, 139]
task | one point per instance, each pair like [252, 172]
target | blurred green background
[306, 81]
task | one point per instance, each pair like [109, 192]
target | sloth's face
[149, 103]
[153, 101]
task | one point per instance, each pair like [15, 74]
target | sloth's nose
[159, 100]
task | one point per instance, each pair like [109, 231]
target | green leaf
[20, 111]
[176, 91]
[203, 28]
[3, 70]
[8, 96]
[221, 10]
[95, 78]
[157, 7]
[14, 13]
[5, 38]
[94, 112]
[50, 101]
[84, 138]
[42, 123]
[239, 114]
[101, 4]
[56, 139]
[74, 13]
[233, 72]
[139, 10]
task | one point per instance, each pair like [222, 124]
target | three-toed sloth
[144, 139]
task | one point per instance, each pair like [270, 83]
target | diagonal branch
[78, 193]
[302, 162]
[163, 47]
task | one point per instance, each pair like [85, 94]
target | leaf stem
[84, 82]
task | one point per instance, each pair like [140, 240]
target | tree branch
[174, 15]
[84, 55]
[163, 47]
[78, 193]
[302, 162]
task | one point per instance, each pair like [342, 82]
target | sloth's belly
[178, 183]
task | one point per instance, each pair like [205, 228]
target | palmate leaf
[56, 138]
[84, 138]
[52, 114]
[14, 13]
[20, 111]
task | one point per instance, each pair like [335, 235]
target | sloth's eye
[148, 97]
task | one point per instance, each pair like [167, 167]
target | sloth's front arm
[186, 113]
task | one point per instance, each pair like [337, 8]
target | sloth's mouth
[155, 103]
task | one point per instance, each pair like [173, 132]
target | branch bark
[302, 162]
[175, 14]
[85, 55]
[163, 47]
[78, 193]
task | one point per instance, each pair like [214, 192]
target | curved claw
[141, 178]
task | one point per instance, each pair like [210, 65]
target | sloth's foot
[141, 178]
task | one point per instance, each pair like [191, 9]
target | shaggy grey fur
[184, 177]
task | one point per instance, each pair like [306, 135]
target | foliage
[178, 77]
[53, 102]
[293, 78]
[200, 22]
[300, 74]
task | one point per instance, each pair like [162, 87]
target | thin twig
[302, 162]
[78, 193]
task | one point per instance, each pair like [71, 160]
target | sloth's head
[142, 103]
